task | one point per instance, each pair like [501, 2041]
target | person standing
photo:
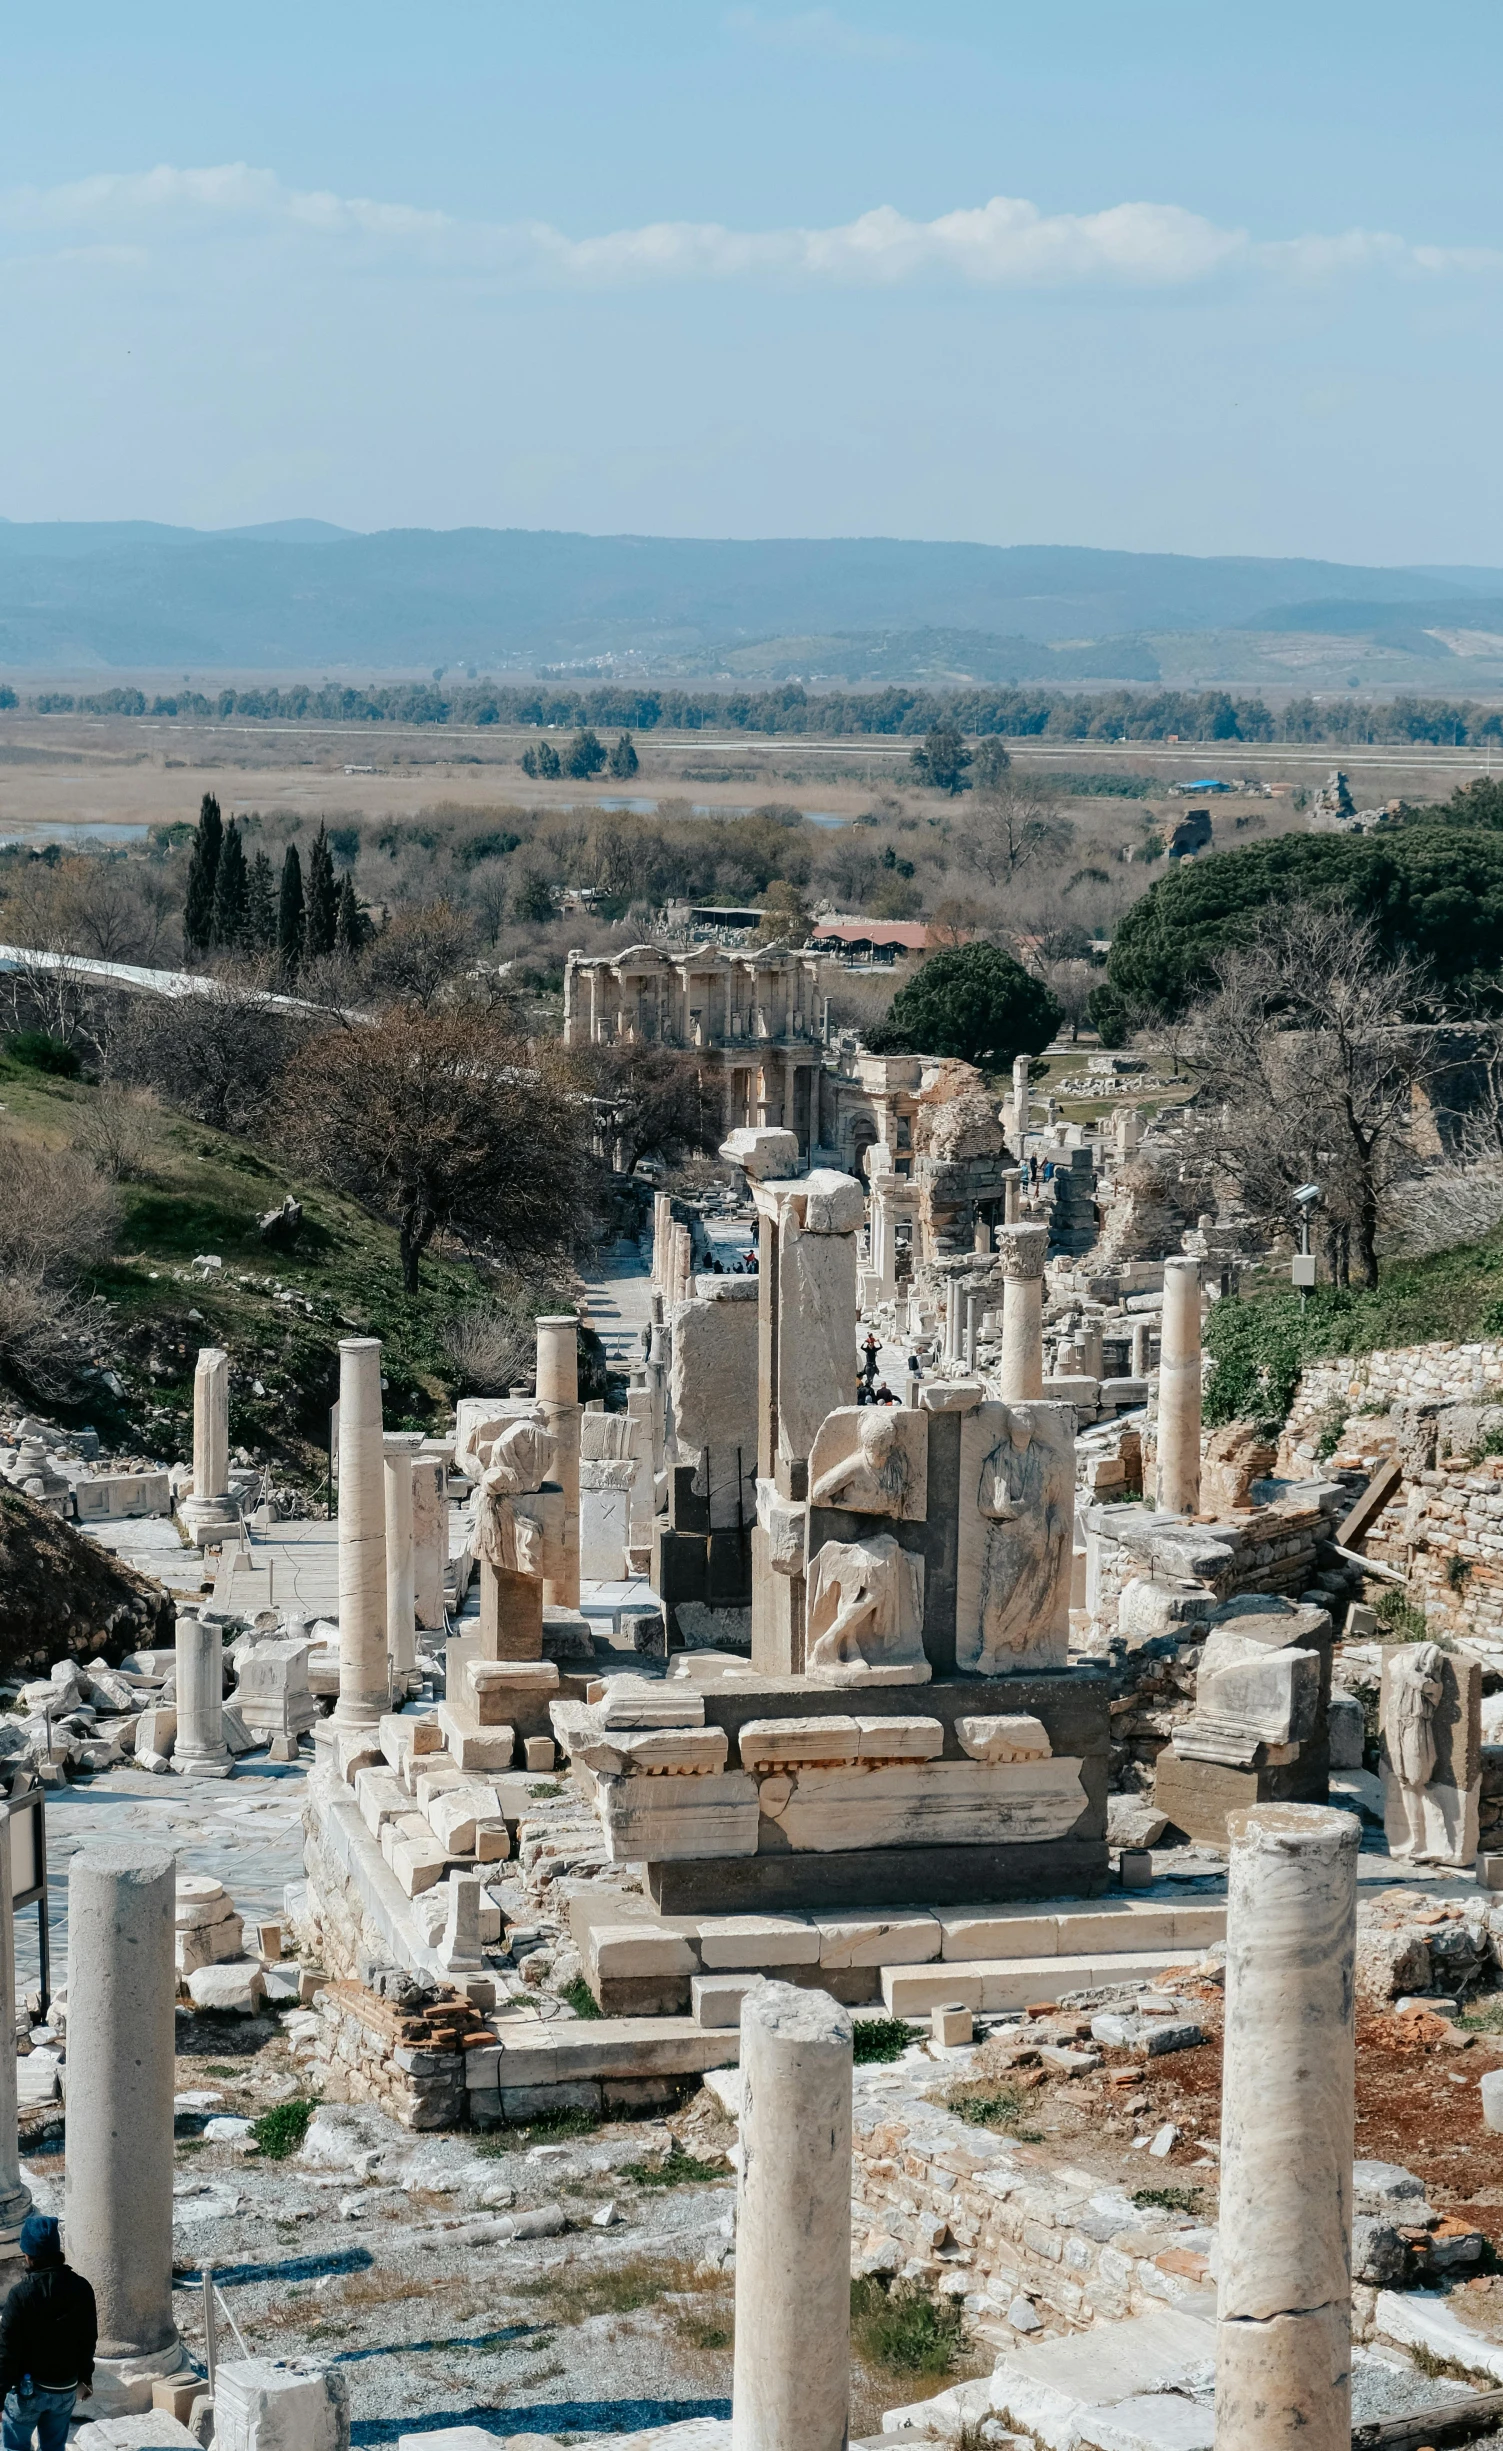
[48, 2332]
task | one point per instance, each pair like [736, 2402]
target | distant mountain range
[305, 597]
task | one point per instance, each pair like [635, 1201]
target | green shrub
[280, 2131]
[1167, 2199]
[1405, 1622]
[680, 2170]
[41, 1052]
[876, 2039]
[580, 1998]
[903, 2327]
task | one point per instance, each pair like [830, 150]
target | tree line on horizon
[1195, 717]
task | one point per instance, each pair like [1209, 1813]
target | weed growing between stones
[618, 2289]
[681, 2169]
[280, 2131]
[905, 2329]
[547, 2123]
[994, 2106]
[1167, 2199]
[578, 1996]
[877, 2039]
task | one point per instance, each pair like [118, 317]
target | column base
[207, 1522]
[360, 1710]
[15, 2204]
[202, 1765]
[122, 2385]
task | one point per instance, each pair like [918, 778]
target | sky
[1171, 276]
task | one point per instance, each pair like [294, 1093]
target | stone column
[558, 1398]
[1284, 2302]
[1012, 1194]
[1178, 1485]
[1142, 1348]
[199, 1750]
[1021, 1251]
[793, 2224]
[121, 1990]
[364, 1686]
[399, 1449]
[952, 1319]
[1088, 1346]
[1020, 1098]
[210, 1512]
[430, 1532]
[15, 2195]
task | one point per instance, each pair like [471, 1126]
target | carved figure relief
[511, 1534]
[866, 1614]
[872, 1461]
[1020, 1501]
[1432, 1760]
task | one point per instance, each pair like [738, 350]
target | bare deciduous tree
[441, 1122]
[1007, 830]
[1308, 1062]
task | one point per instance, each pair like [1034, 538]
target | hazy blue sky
[1198, 277]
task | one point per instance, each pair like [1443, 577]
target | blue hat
[41, 2239]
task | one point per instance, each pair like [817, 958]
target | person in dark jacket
[47, 2335]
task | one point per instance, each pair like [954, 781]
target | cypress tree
[347, 917]
[230, 891]
[260, 905]
[290, 916]
[203, 865]
[321, 903]
[624, 759]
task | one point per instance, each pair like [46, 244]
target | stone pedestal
[511, 1614]
[1021, 1250]
[210, 1514]
[399, 1450]
[793, 2224]
[199, 1750]
[1179, 1390]
[15, 2195]
[121, 1988]
[558, 1402]
[364, 1686]
[1284, 2302]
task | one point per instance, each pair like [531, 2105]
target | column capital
[1022, 1250]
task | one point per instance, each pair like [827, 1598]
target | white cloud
[1005, 243]
[819, 31]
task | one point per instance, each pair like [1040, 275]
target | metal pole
[210, 2345]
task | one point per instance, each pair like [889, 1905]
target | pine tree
[347, 929]
[321, 904]
[203, 864]
[290, 917]
[230, 891]
[260, 905]
[624, 759]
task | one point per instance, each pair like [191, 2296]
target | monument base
[1197, 1796]
[880, 1877]
[122, 2385]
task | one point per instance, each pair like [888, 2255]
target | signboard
[1303, 1268]
[28, 1840]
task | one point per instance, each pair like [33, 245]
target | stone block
[951, 2026]
[712, 1387]
[894, 1739]
[405, 1739]
[379, 1797]
[929, 1804]
[775, 1744]
[276, 2404]
[716, 1998]
[680, 1564]
[454, 1815]
[618, 1952]
[200, 1899]
[1020, 1738]
[643, 1752]
[474, 1748]
[641, 1702]
[659, 1820]
[899, 1939]
[237, 1989]
[816, 1362]
[539, 1753]
[746, 1943]
[971, 1933]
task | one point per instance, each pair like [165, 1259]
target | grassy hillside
[278, 1313]
[1262, 1341]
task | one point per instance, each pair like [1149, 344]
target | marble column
[364, 1686]
[1284, 2299]
[1012, 1195]
[399, 1452]
[118, 2218]
[1021, 1252]
[1088, 1346]
[430, 1532]
[793, 2224]
[199, 1750]
[1020, 1098]
[210, 1512]
[15, 2195]
[558, 1400]
[1178, 1482]
[1142, 1349]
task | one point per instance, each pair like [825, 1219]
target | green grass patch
[1167, 2199]
[39, 1051]
[578, 1996]
[1484, 2016]
[545, 1788]
[879, 2039]
[904, 2329]
[1261, 1340]
[681, 2169]
[552, 2124]
[572, 2296]
[1404, 1622]
[280, 2131]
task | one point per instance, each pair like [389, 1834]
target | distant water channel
[72, 830]
[721, 808]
